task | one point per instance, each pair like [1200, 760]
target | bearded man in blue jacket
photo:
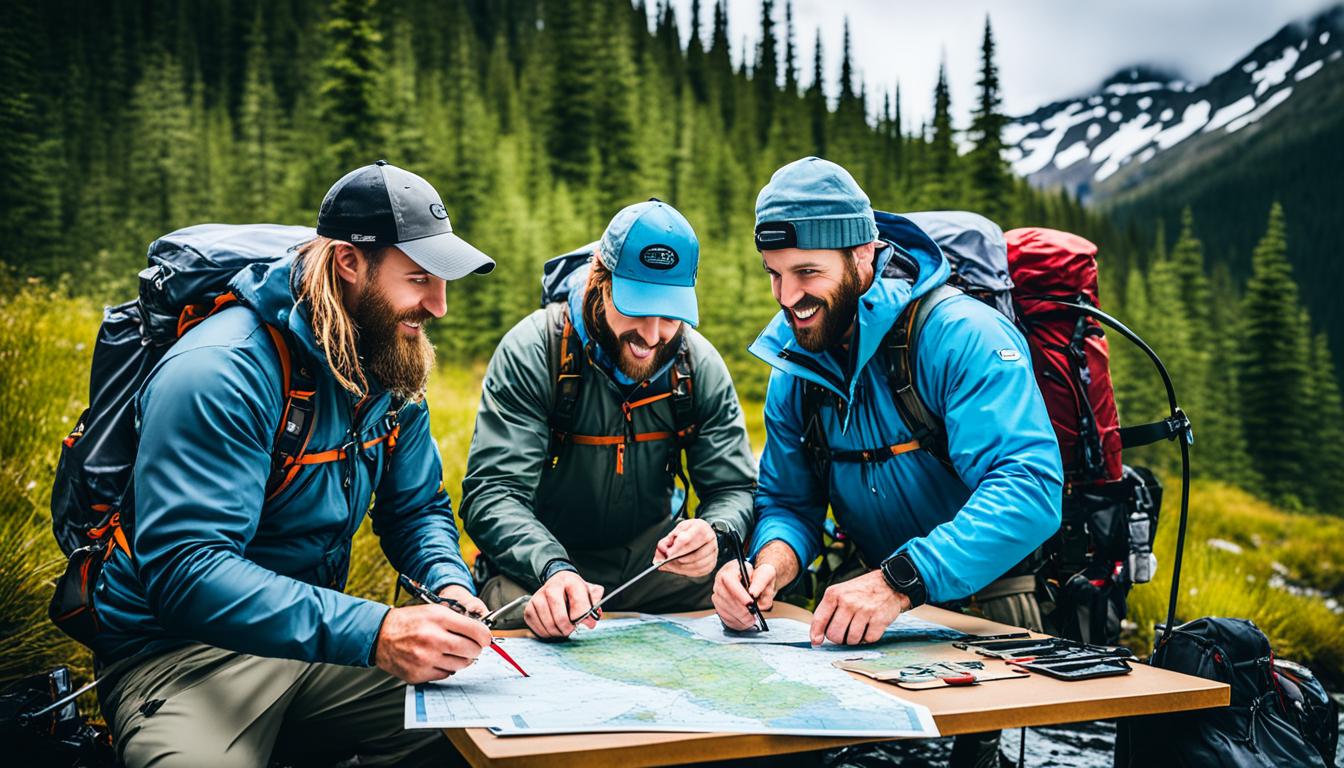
[924, 533]
[226, 635]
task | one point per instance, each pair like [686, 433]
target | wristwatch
[901, 575]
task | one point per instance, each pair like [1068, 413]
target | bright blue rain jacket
[216, 563]
[974, 371]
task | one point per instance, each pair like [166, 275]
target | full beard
[837, 313]
[400, 363]
[618, 349]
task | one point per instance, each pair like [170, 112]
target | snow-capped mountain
[1098, 145]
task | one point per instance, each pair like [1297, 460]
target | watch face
[903, 572]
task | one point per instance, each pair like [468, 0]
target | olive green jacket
[526, 514]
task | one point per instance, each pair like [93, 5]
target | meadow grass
[46, 341]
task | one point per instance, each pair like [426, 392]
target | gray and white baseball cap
[380, 205]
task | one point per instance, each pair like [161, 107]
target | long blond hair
[321, 289]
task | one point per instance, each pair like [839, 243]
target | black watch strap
[902, 575]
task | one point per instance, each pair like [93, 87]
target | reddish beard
[399, 362]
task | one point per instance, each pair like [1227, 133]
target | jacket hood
[268, 289]
[903, 245]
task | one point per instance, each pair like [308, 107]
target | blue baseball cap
[653, 256]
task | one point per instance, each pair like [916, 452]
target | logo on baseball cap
[383, 205]
[653, 256]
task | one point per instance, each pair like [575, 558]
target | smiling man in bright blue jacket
[924, 532]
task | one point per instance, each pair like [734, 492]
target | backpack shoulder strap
[816, 448]
[682, 385]
[566, 358]
[901, 343]
[297, 388]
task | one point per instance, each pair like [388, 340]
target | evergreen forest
[538, 120]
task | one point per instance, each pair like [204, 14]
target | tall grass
[46, 341]
[1217, 580]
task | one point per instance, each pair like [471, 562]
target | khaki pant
[658, 592]
[204, 706]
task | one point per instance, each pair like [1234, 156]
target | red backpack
[1069, 353]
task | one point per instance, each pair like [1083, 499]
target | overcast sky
[1047, 49]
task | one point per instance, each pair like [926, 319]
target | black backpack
[567, 360]
[186, 281]
[1279, 714]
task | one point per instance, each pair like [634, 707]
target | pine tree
[1324, 479]
[573, 66]
[405, 138]
[850, 128]
[614, 124]
[1168, 331]
[696, 64]
[1276, 377]
[720, 59]
[1223, 422]
[940, 187]
[160, 173]
[29, 154]
[817, 109]
[989, 175]
[262, 140]
[349, 93]
[766, 73]
[790, 52]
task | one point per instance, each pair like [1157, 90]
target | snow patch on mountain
[1308, 71]
[1274, 72]
[1038, 152]
[1231, 112]
[1125, 89]
[1273, 101]
[1194, 118]
[1076, 152]
[1127, 140]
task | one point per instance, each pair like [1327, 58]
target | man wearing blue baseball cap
[590, 409]
[938, 510]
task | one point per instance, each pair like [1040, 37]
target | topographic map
[652, 673]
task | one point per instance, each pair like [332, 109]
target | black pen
[429, 597]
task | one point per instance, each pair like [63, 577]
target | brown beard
[399, 363]
[595, 320]
[838, 311]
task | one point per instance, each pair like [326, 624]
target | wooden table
[1036, 700]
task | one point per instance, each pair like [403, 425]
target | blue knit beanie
[813, 204]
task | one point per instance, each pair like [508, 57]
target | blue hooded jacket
[215, 562]
[960, 533]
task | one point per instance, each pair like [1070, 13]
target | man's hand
[776, 565]
[732, 601]
[419, 643]
[469, 601]
[857, 611]
[695, 537]
[564, 597]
